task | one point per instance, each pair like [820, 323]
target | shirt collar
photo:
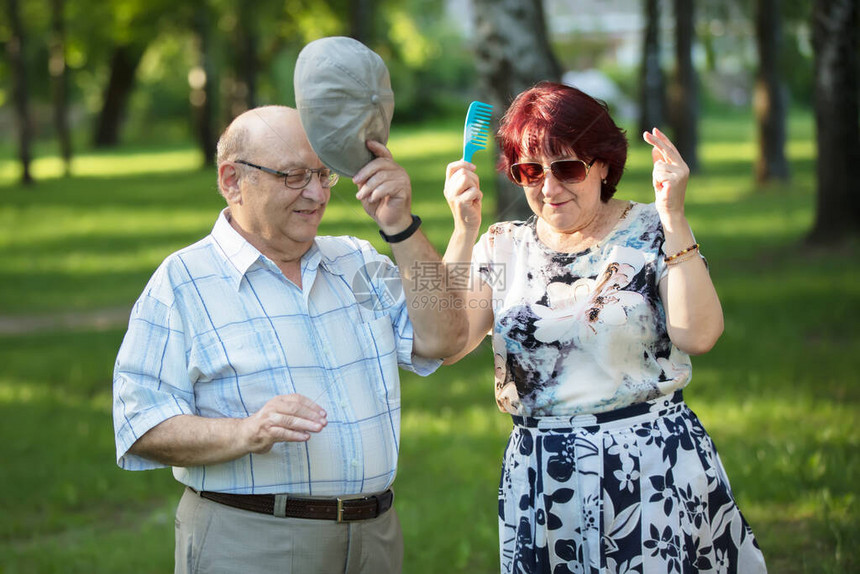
[241, 255]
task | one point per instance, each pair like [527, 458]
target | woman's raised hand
[670, 175]
[463, 193]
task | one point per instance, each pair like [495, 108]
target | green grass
[779, 392]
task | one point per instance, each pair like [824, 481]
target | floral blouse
[579, 333]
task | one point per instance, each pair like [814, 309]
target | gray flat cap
[344, 97]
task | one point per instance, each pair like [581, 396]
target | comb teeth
[476, 134]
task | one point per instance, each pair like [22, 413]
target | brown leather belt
[341, 509]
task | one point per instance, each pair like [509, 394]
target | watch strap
[405, 234]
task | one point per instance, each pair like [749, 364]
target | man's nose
[314, 189]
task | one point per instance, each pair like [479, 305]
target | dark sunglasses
[530, 173]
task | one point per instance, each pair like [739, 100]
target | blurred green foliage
[428, 53]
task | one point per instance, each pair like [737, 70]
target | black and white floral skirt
[640, 489]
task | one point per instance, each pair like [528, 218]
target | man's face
[276, 215]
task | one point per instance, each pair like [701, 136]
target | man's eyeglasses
[530, 174]
[298, 178]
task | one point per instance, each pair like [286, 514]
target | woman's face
[566, 207]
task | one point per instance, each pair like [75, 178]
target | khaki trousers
[213, 538]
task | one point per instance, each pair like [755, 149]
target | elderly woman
[595, 306]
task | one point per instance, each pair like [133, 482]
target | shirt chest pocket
[378, 366]
[230, 354]
[376, 337]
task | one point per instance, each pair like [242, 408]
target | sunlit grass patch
[107, 164]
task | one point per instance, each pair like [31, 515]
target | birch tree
[513, 53]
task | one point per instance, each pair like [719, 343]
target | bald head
[266, 128]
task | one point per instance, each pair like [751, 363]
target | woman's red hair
[560, 120]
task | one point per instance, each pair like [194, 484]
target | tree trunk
[60, 82]
[835, 25]
[685, 97]
[244, 65]
[770, 107]
[123, 66]
[652, 86]
[512, 54]
[249, 62]
[203, 91]
[361, 21]
[20, 95]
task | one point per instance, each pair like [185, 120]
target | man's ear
[228, 183]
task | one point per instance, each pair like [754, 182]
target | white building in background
[620, 20]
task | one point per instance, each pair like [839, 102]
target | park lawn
[778, 393]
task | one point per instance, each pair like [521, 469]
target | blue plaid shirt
[219, 331]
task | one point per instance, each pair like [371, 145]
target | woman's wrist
[460, 245]
[674, 222]
[677, 235]
[465, 233]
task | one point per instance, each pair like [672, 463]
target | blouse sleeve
[484, 263]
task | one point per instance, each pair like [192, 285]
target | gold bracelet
[685, 257]
[670, 258]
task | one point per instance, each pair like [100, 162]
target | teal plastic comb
[476, 134]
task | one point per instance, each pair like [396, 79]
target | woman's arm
[694, 316]
[463, 193]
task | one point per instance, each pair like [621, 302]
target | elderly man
[255, 368]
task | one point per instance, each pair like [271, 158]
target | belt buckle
[339, 509]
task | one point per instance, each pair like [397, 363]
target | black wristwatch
[405, 234]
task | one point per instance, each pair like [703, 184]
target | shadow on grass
[183, 190]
